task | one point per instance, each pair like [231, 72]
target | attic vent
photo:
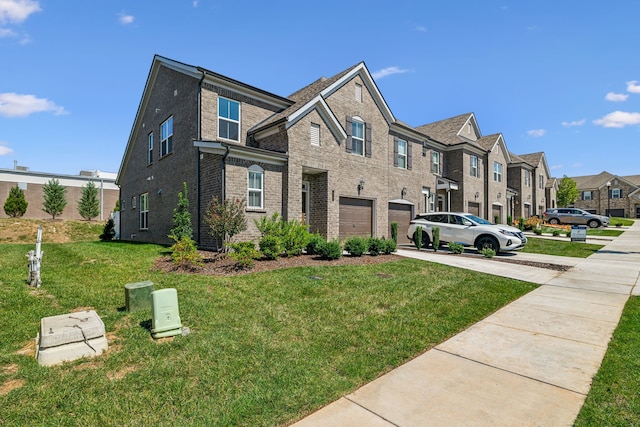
[358, 92]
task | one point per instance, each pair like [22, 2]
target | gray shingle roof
[533, 159]
[446, 131]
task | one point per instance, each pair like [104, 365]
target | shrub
[185, 253]
[330, 250]
[532, 223]
[555, 232]
[521, 222]
[436, 238]
[488, 252]
[537, 231]
[244, 254]
[389, 246]
[568, 233]
[417, 237]
[376, 246]
[55, 198]
[226, 219]
[271, 246]
[313, 243]
[181, 217]
[509, 220]
[496, 219]
[394, 232]
[456, 248]
[356, 246]
[294, 237]
[89, 205]
[16, 204]
[108, 231]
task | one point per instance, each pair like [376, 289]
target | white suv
[468, 230]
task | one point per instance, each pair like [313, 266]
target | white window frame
[144, 211]
[357, 141]
[432, 202]
[541, 182]
[589, 197]
[435, 162]
[229, 119]
[133, 202]
[403, 157]
[615, 193]
[497, 171]
[473, 165]
[150, 145]
[527, 178]
[166, 137]
[255, 171]
[315, 134]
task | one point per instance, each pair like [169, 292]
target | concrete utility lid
[70, 328]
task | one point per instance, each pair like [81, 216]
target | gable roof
[313, 96]
[534, 159]
[448, 131]
[490, 141]
[600, 180]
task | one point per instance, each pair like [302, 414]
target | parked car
[574, 216]
[467, 229]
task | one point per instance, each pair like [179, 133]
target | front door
[637, 211]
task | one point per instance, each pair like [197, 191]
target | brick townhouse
[609, 194]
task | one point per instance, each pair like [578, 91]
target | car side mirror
[467, 223]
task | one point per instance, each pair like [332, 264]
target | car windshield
[477, 220]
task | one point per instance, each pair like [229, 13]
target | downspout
[198, 137]
[534, 191]
[486, 187]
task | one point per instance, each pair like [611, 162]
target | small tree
[89, 205]
[435, 231]
[567, 192]
[55, 197]
[16, 205]
[394, 231]
[226, 219]
[182, 217]
[417, 237]
[108, 231]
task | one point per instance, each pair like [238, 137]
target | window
[150, 156]
[541, 182]
[166, 137]
[616, 193]
[527, 179]
[256, 187]
[228, 119]
[144, 211]
[474, 166]
[357, 135]
[358, 92]
[402, 154]
[432, 202]
[497, 172]
[315, 134]
[133, 202]
[435, 162]
[587, 195]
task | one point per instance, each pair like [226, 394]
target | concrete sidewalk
[530, 363]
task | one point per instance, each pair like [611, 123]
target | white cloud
[125, 19]
[5, 32]
[574, 123]
[17, 11]
[4, 150]
[195, 3]
[616, 97]
[536, 133]
[618, 119]
[388, 71]
[556, 167]
[633, 87]
[576, 165]
[421, 29]
[17, 105]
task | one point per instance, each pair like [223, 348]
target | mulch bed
[219, 265]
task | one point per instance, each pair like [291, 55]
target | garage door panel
[401, 214]
[356, 217]
[474, 208]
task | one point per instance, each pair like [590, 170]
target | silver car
[573, 216]
[467, 229]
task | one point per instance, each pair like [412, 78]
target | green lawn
[264, 349]
[614, 399]
[622, 221]
[610, 232]
[559, 247]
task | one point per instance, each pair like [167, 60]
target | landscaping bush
[271, 247]
[356, 246]
[185, 253]
[496, 219]
[436, 238]
[294, 237]
[313, 242]
[394, 232]
[533, 223]
[555, 232]
[389, 246]
[488, 252]
[244, 254]
[108, 231]
[376, 246]
[330, 250]
[521, 222]
[537, 231]
[417, 237]
[509, 220]
[456, 248]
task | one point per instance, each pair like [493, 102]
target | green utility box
[138, 295]
[165, 313]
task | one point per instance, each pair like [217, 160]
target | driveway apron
[529, 364]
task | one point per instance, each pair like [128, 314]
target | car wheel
[426, 241]
[593, 223]
[554, 221]
[487, 242]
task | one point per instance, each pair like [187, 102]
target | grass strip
[560, 248]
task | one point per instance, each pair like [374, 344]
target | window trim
[229, 119]
[166, 141]
[355, 121]
[616, 193]
[497, 171]
[404, 156]
[527, 178]
[150, 148]
[584, 195]
[314, 133]
[473, 166]
[435, 165]
[541, 182]
[255, 169]
[144, 212]
[133, 202]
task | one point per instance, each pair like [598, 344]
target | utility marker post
[35, 258]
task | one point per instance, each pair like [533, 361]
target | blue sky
[561, 77]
